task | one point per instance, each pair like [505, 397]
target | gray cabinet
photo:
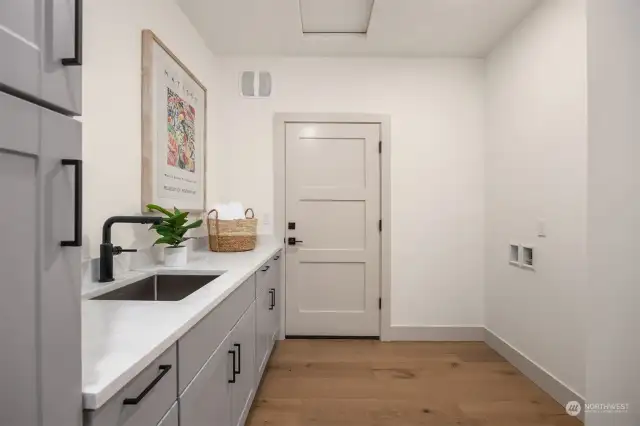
[145, 400]
[171, 418]
[276, 311]
[201, 341]
[40, 366]
[222, 391]
[35, 37]
[267, 311]
[207, 399]
[263, 314]
[243, 341]
[218, 368]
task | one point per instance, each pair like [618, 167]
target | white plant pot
[175, 256]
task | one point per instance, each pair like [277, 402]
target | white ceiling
[397, 27]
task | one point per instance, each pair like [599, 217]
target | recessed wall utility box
[514, 254]
[528, 258]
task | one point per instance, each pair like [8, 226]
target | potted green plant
[172, 231]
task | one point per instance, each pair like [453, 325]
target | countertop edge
[94, 400]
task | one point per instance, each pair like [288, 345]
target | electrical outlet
[542, 232]
[266, 219]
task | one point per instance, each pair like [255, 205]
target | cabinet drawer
[152, 401]
[265, 276]
[171, 418]
[201, 341]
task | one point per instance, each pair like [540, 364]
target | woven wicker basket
[232, 235]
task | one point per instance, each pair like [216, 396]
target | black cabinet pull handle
[239, 347]
[77, 208]
[233, 380]
[272, 292]
[277, 257]
[164, 369]
[77, 44]
[266, 268]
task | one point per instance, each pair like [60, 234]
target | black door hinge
[380, 147]
[380, 303]
[380, 225]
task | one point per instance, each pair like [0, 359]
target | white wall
[614, 209]
[436, 109]
[536, 162]
[111, 115]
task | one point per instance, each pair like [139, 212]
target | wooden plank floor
[370, 383]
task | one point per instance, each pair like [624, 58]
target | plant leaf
[164, 240]
[178, 220]
[152, 207]
[195, 224]
[175, 209]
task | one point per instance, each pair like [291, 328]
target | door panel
[18, 303]
[277, 309]
[36, 35]
[61, 85]
[171, 418]
[243, 390]
[319, 283]
[19, 44]
[40, 370]
[61, 277]
[333, 196]
[263, 330]
[207, 399]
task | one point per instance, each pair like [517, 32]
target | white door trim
[279, 189]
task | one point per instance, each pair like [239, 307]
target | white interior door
[333, 198]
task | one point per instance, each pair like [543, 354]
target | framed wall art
[174, 130]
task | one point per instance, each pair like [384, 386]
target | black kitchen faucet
[108, 250]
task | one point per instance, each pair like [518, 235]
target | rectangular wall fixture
[514, 254]
[335, 16]
[528, 260]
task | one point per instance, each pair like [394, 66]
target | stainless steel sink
[165, 288]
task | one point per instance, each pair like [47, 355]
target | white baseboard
[546, 381]
[436, 334]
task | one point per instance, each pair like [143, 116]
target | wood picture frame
[174, 130]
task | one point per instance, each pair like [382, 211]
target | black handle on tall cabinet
[77, 208]
[77, 44]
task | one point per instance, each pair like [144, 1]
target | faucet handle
[117, 250]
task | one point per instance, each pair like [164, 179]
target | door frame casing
[280, 121]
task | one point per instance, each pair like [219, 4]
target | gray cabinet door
[207, 399]
[35, 35]
[243, 340]
[263, 333]
[171, 418]
[40, 369]
[276, 311]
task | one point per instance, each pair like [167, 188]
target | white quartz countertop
[121, 338]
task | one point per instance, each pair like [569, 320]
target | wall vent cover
[255, 84]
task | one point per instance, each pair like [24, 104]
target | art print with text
[181, 143]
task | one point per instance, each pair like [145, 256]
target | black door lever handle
[292, 241]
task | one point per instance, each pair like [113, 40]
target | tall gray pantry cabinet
[41, 199]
